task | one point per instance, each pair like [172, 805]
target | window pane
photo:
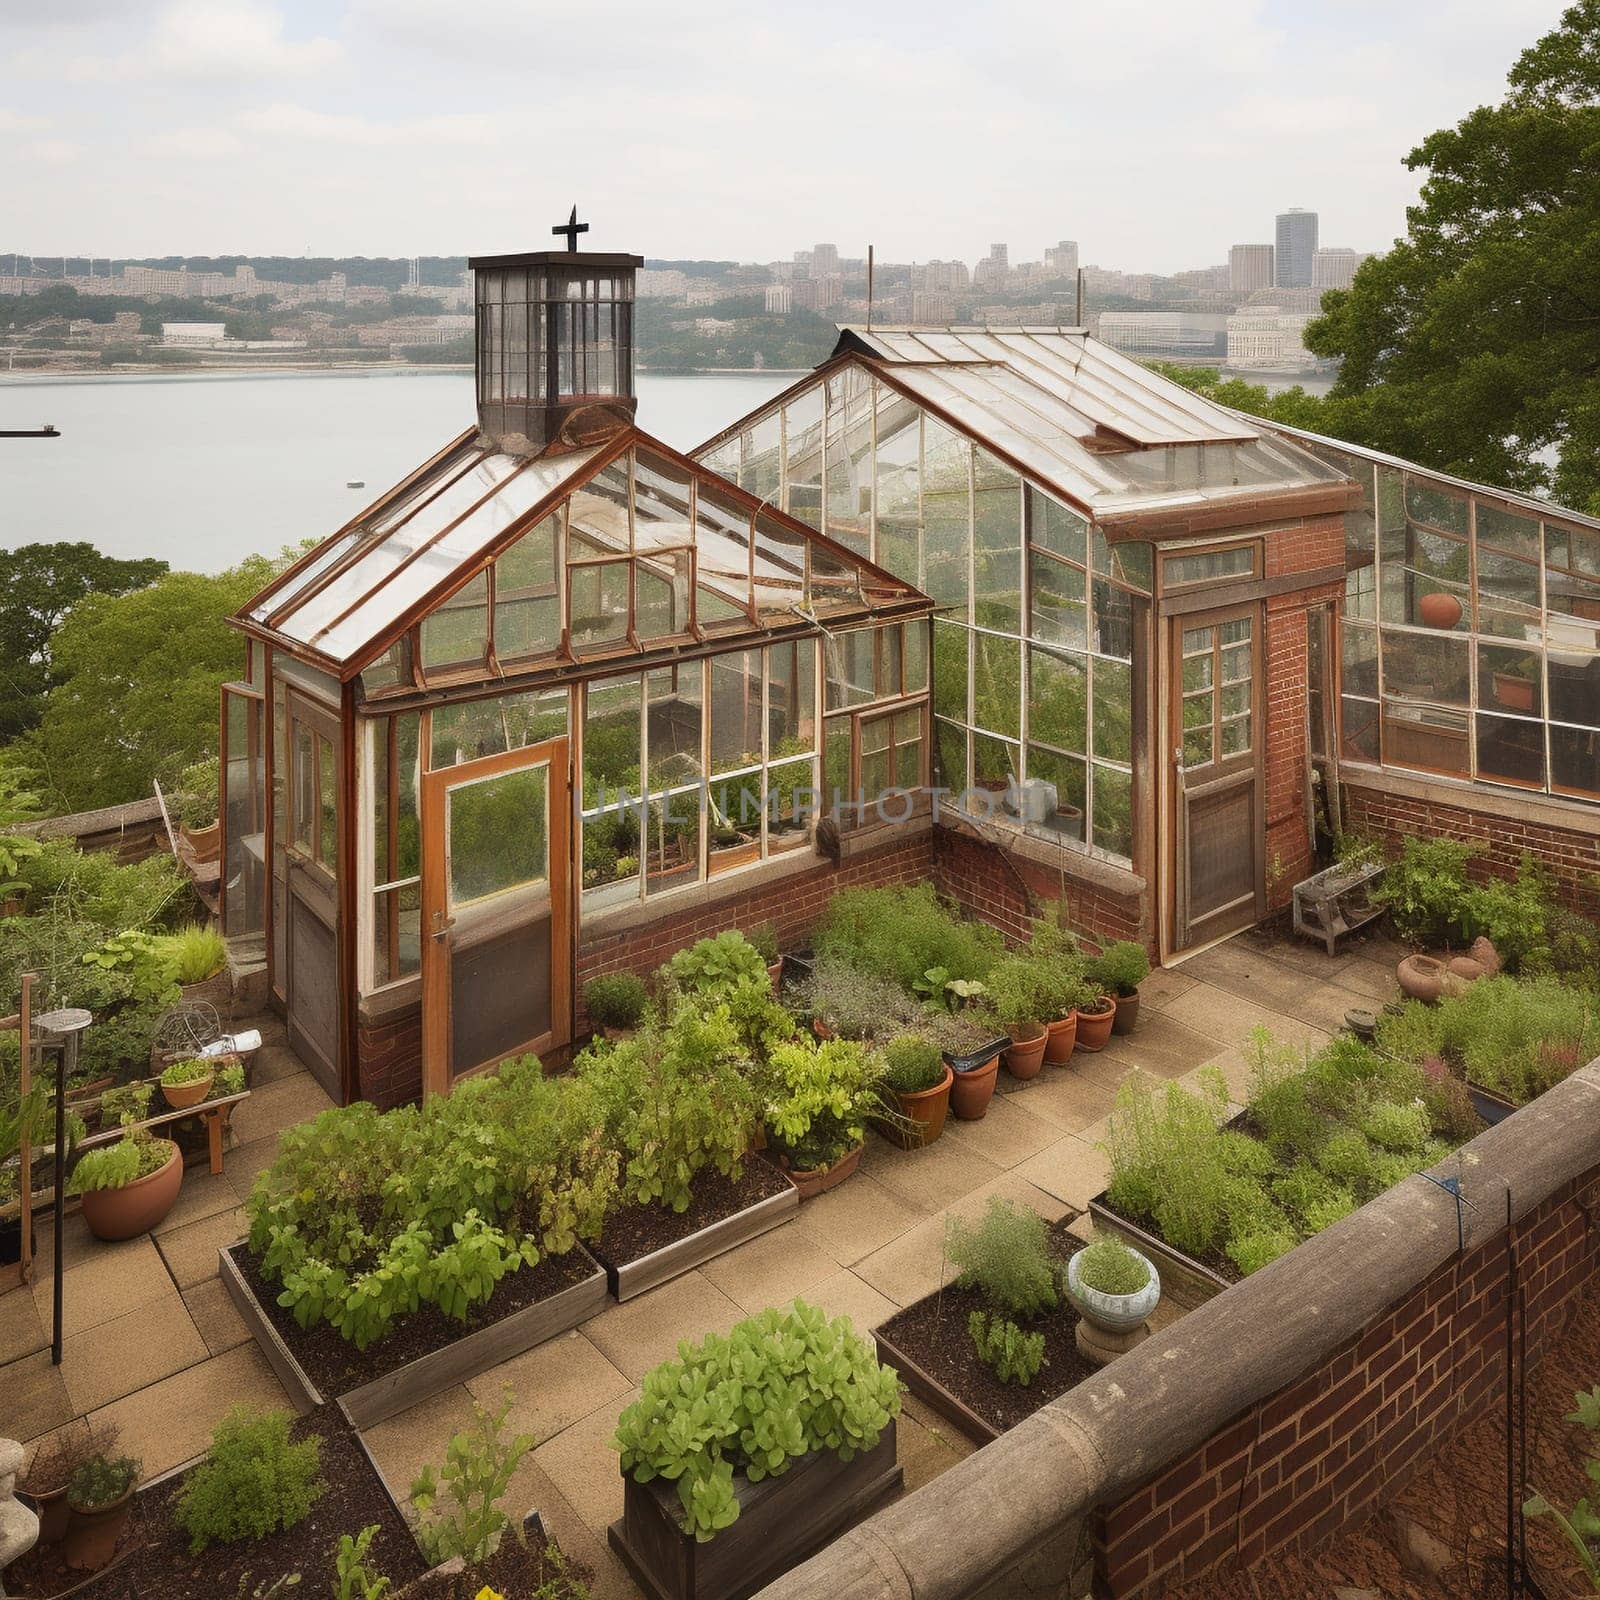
[1067, 776]
[997, 684]
[1197, 747]
[1236, 735]
[996, 545]
[1113, 810]
[1113, 621]
[1358, 727]
[1425, 666]
[1575, 687]
[396, 933]
[849, 395]
[456, 632]
[1508, 595]
[736, 711]
[661, 595]
[1360, 660]
[599, 604]
[947, 513]
[1425, 736]
[1509, 679]
[836, 763]
[327, 805]
[950, 669]
[1435, 504]
[994, 763]
[908, 749]
[916, 657]
[672, 726]
[761, 456]
[899, 486]
[1053, 527]
[1511, 750]
[789, 803]
[527, 606]
[1210, 566]
[611, 778]
[1419, 565]
[950, 755]
[1058, 699]
[802, 423]
[597, 513]
[406, 780]
[791, 697]
[1058, 610]
[1197, 672]
[851, 678]
[1507, 531]
[672, 842]
[1575, 760]
[1113, 709]
[891, 671]
[734, 821]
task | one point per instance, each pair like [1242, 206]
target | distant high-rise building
[824, 260]
[1250, 266]
[830, 289]
[1062, 259]
[780, 299]
[934, 307]
[1335, 267]
[1297, 245]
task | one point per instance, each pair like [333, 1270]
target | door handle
[442, 924]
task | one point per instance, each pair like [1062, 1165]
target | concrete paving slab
[212, 1309]
[36, 1397]
[847, 1295]
[855, 1219]
[244, 1161]
[924, 1451]
[581, 1461]
[403, 1445]
[553, 1385]
[191, 1252]
[641, 1333]
[1240, 969]
[1228, 1018]
[770, 1270]
[927, 1180]
[172, 1421]
[1008, 1132]
[911, 1266]
[609, 1580]
[276, 1106]
[22, 1329]
[1066, 1098]
[1071, 1169]
[130, 1353]
[1161, 987]
[104, 1285]
[204, 1194]
[1160, 1045]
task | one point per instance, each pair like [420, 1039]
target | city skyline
[395, 129]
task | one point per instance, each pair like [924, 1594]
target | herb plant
[195, 953]
[822, 1095]
[253, 1481]
[616, 1000]
[1015, 1356]
[191, 1071]
[460, 1506]
[101, 1480]
[115, 1166]
[764, 938]
[1121, 967]
[902, 934]
[1424, 888]
[352, 1580]
[855, 1004]
[1006, 1257]
[780, 1385]
[912, 1063]
[715, 967]
[1111, 1267]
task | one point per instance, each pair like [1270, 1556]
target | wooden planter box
[684, 1255]
[934, 1394]
[428, 1374]
[1491, 1107]
[781, 1522]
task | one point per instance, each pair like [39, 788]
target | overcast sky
[1155, 132]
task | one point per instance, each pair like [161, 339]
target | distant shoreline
[44, 375]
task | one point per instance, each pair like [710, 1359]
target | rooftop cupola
[554, 344]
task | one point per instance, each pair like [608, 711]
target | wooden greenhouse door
[496, 946]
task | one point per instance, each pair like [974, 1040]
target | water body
[202, 469]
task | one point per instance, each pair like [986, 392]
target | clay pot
[137, 1207]
[216, 990]
[1094, 1027]
[1465, 968]
[180, 1096]
[1484, 953]
[1439, 610]
[1061, 1038]
[821, 1029]
[51, 1504]
[971, 1091]
[1127, 1012]
[814, 1181]
[775, 973]
[1515, 694]
[925, 1113]
[92, 1536]
[1026, 1056]
[1421, 978]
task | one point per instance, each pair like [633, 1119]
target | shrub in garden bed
[904, 935]
[1326, 1134]
[821, 1095]
[253, 1481]
[616, 1000]
[367, 1216]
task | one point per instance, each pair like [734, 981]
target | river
[202, 469]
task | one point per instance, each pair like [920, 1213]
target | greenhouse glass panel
[1112, 810]
[1574, 687]
[661, 495]
[1053, 527]
[996, 763]
[527, 593]
[1510, 679]
[1068, 777]
[1358, 727]
[950, 756]
[947, 516]
[1575, 761]
[760, 470]
[1112, 684]
[898, 486]
[1432, 667]
[673, 725]
[849, 460]
[802, 427]
[661, 595]
[598, 602]
[736, 712]
[1059, 610]
[598, 510]
[836, 784]
[950, 649]
[1510, 750]
[851, 675]
[997, 684]
[456, 632]
[1058, 698]
[1113, 621]
[996, 545]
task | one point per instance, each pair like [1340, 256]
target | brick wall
[389, 1059]
[1391, 813]
[1326, 1450]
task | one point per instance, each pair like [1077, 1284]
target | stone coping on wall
[1079, 865]
[990, 1514]
[1515, 805]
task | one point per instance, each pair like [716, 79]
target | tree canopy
[42, 583]
[1473, 346]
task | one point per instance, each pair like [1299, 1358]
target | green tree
[1473, 346]
[39, 586]
[137, 680]
[1293, 407]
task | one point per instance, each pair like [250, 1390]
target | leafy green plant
[1026, 993]
[1425, 887]
[190, 1071]
[127, 1102]
[142, 959]
[115, 1166]
[1513, 915]
[764, 938]
[714, 968]
[459, 1506]
[195, 953]
[229, 1080]
[1006, 1257]
[1111, 1267]
[902, 934]
[352, 1580]
[780, 1385]
[1014, 1355]
[616, 1000]
[101, 1480]
[855, 1004]
[1581, 1526]
[253, 1481]
[1120, 968]
[16, 851]
[821, 1097]
[1250, 1252]
[193, 800]
[942, 991]
[912, 1063]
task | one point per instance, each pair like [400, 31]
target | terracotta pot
[971, 1091]
[1439, 610]
[1485, 954]
[1515, 694]
[821, 1029]
[1465, 968]
[1061, 1038]
[775, 973]
[180, 1096]
[13, 905]
[1026, 1056]
[926, 1113]
[1421, 977]
[51, 1504]
[814, 1181]
[1094, 1027]
[1127, 1012]
[92, 1535]
[137, 1207]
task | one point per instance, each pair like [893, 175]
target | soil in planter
[634, 1231]
[521, 1566]
[161, 1568]
[933, 1333]
[334, 1364]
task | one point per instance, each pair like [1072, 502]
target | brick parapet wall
[1281, 1410]
[1391, 809]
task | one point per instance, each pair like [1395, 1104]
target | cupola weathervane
[572, 228]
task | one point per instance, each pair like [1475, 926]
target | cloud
[18, 122]
[210, 40]
[344, 129]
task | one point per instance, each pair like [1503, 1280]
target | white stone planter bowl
[1114, 1313]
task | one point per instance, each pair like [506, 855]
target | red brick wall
[1570, 854]
[1328, 1449]
[389, 1059]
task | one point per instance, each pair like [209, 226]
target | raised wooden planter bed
[781, 1521]
[386, 1392]
[1490, 1106]
[707, 1229]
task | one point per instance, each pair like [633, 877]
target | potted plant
[816, 1119]
[918, 1078]
[198, 958]
[1114, 1289]
[1055, 950]
[16, 850]
[744, 1453]
[99, 1499]
[1020, 995]
[127, 1187]
[1120, 968]
[51, 1470]
[765, 938]
[847, 1003]
[187, 1083]
[1096, 1013]
[615, 1003]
